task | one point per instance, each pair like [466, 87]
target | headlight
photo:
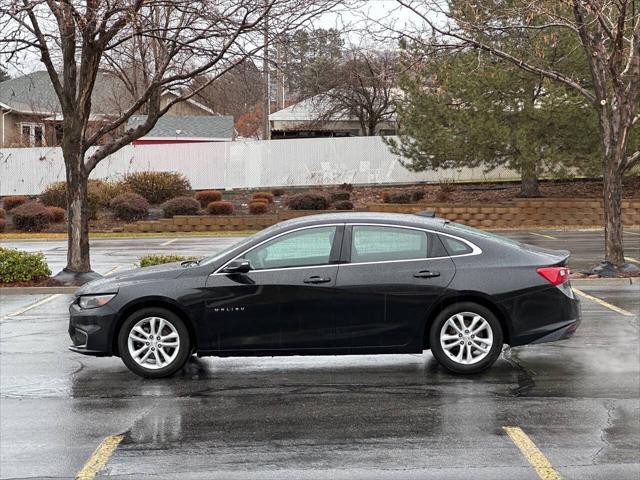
[94, 301]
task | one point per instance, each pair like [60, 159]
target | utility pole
[279, 77]
[266, 125]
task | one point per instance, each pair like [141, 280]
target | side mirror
[238, 266]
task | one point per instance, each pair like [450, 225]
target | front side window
[379, 244]
[296, 249]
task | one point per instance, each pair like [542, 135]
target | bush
[310, 201]
[266, 195]
[3, 214]
[180, 206]
[347, 187]
[17, 266]
[129, 206]
[278, 192]
[99, 194]
[106, 190]
[340, 195]
[13, 201]
[158, 187]
[397, 196]
[151, 260]
[208, 196]
[344, 205]
[32, 216]
[417, 195]
[56, 214]
[220, 208]
[2, 224]
[258, 208]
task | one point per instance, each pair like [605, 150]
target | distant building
[30, 113]
[306, 120]
[188, 129]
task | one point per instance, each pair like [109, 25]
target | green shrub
[220, 208]
[56, 214]
[278, 192]
[32, 216]
[17, 266]
[268, 196]
[180, 206]
[340, 195]
[208, 196]
[151, 260]
[3, 214]
[13, 201]
[158, 187]
[129, 206]
[397, 196]
[312, 200]
[258, 208]
[344, 205]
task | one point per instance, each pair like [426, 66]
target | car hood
[111, 283]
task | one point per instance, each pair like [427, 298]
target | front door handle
[316, 279]
[426, 274]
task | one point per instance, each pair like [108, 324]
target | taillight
[555, 275]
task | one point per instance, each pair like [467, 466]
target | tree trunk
[529, 181]
[612, 194]
[78, 212]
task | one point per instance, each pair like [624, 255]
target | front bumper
[91, 330]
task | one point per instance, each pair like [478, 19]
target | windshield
[482, 233]
[221, 254]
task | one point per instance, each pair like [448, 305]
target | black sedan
[344, 283]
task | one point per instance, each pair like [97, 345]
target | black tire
[445, 359]
[184, 348]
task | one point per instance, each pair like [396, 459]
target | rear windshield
[481, 233]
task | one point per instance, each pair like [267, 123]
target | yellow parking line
[113, 270]
[543, 235]
[534, 456]
[603, 303]
[632, 260]
[29, 307]
[100, 457]
[632, 233]
[168, 242]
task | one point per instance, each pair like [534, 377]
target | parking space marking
[632, 260]
[632, 233]
[99, 458]
[29, 307]
[603, 303]
[113, 270]
[534, 456]
[168, 242]
[543, 235]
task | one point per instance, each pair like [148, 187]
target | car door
[285, 302]
[390, 278]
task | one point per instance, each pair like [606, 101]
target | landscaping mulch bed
[46, 282]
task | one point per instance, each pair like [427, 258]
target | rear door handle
[316, 279]
[426, 274]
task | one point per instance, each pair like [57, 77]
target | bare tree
[151, 46]
[607, 31]
[360, 87]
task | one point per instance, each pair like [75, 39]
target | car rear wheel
[466, 338]
[154, 343]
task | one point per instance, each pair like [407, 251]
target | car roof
[369, 217]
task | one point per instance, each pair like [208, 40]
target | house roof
[197, 127]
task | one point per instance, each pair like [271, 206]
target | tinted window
[455, 247]
[379, 244]
[297, 249]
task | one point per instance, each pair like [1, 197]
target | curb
[607, 282]
[36, 290]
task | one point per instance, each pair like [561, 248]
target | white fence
[242, 164]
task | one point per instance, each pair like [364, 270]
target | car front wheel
[154, 343]
[466, 338]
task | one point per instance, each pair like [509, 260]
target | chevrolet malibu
[334, 284]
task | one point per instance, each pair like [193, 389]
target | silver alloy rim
[154, 343]
[466, 338]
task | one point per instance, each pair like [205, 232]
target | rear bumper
[561, 333]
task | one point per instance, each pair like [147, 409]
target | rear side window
[455, 247]
[379, 244]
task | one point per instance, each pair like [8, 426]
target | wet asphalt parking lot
[384, 416]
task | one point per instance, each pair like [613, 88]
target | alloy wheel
[153, 343]
[466, 338]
